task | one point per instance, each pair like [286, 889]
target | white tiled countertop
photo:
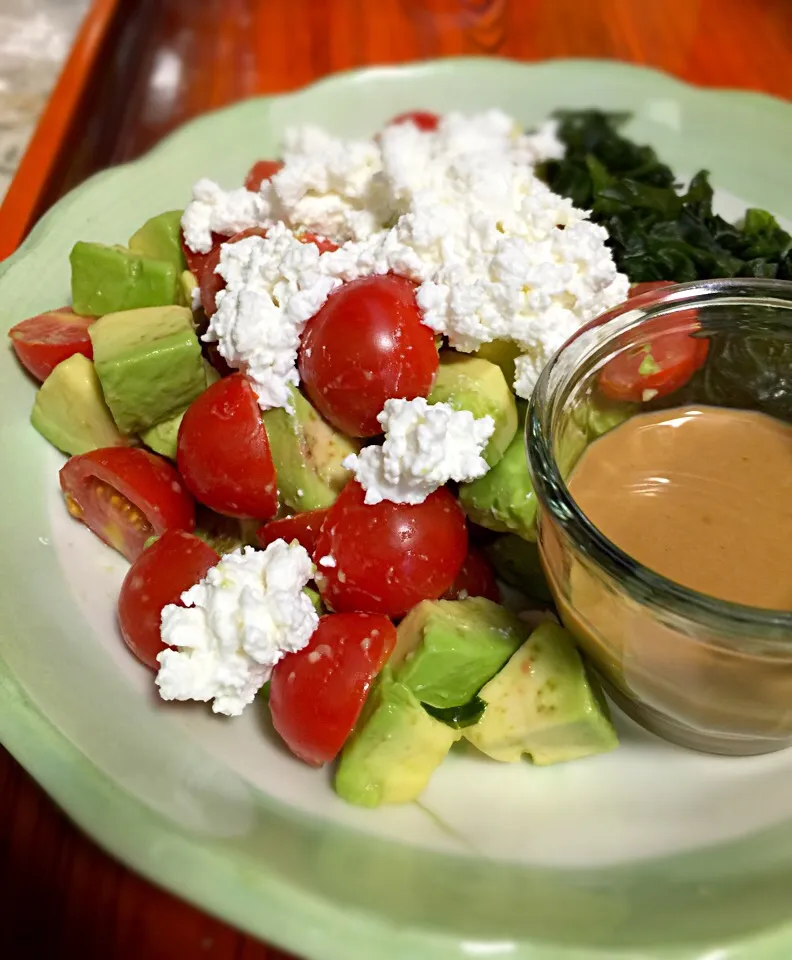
[35, 37]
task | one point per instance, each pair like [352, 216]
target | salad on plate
[297, 406]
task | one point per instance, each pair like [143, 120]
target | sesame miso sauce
[701, 495]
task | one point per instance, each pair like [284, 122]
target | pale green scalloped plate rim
[327, 892]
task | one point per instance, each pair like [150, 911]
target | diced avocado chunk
[108, 279]
[543, 703]
[149, 364]
[446, 650]
[163, 437]
[187, 284]
[587, 419]
[71, 412]
[469, 383]
[503, 353]
[503, 499]
[394, 750]
[516, 562]
[160, 239]
[315, 599]
[308, 453]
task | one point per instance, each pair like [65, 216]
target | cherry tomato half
[475, 579]
[196, 262]
[217, 360]
[366, 344]
[302, 527]
[211, 283]
[223, 452]
[42, 342]
[389, 556]
[160, 575]
[423, 119]
[316, 695]
[126, 495]
[655, 368]
[260, 171]
[325, 245]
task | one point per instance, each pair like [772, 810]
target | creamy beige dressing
[701, 495]
[704, 497]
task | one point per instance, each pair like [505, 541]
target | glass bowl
[699, 671]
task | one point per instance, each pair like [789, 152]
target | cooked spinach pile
[658, 230]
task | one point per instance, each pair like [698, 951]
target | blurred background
[35, 36]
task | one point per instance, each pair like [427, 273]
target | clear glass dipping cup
[699, 671]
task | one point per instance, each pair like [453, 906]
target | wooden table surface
[172, 59]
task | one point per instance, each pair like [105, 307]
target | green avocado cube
[71, 412]
[149, 364]
[545, 704]
[308, 454]
[108, 279]
[516, 562]
[446, 650]
[470, 383]
[163, 438]
[503, 499]
[503, 353]
[160, 239]
[394, 750]
[584, 420]
[187, 285]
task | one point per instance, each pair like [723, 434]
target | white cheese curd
[214, 210]
[474, 148]
[495, 253]
[328, 186]
[425, 446]
[246, 614]
[274, 286]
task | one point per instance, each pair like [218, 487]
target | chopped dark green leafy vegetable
[658, 230]
[459, 717]
[750, 368]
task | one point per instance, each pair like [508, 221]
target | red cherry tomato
[126, 495]
[211, 283]
[42, 342]
[223, 452]
[475, 579]
[217, 360]
[196, 262]
[657, 367]
[389, 556]
[260, 171]
[316, 695]
[325, 245]
[302, 527]
[423, 119]
[160, 575]
[366, 344]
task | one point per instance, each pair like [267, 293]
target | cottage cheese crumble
[496, 254]
[247, 613]
[274, 286]
[426, 445]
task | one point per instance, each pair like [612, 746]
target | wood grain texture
[165, 61]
